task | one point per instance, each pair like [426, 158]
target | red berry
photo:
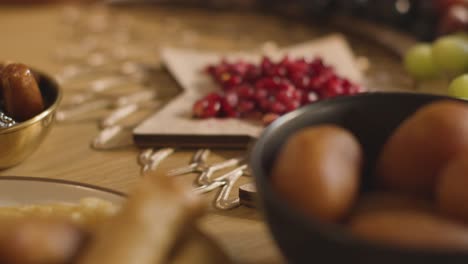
[268, 83]
[245, 92]
[310, 97]
[245, 107]
[285, 96]
[205, 108]
[261, 94]
[228, 80]
[292, 105]
[264, 105]
[232, 98]
[277, 107]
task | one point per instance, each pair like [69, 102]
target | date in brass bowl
[19, 141]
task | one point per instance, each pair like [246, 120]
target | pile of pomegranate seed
[270, 89]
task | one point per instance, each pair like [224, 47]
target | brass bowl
[21, 140]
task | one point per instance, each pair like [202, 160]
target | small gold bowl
[21, 140]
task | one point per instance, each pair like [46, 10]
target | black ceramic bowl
[371, 118]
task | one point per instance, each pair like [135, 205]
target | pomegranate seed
[268, 83]
[264, 105]
[285, 96]
[300, 81]
[333, 88]
[266, 66]
[240, 68]
[245, 107]
[253, 73]
[277, 108]
[279, 71]
[213, 96]
[227, 110]
[285, 86]
[206, 108]
[260, 94]
[229, 80]
[285, 61]
[246, 92]
[310, 97]
[297, 95]
[292, 105]
[232, 98]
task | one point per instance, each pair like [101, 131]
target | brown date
[40, 241]
[21, 94]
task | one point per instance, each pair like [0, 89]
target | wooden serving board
[174, 126]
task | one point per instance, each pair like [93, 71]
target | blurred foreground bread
[40, 241]
[146, 228]
[194, 247]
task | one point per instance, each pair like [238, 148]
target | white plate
[15, 190]
[30, 190]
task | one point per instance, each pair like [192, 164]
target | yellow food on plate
[318, 172]
[88, 212]
[39, 241]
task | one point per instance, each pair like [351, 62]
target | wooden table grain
[32, 34]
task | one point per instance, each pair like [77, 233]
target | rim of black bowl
[334, 232]
[48, 111]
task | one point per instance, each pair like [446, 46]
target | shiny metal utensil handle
[145, 156]
[205, 177]
[156, 158]
[200, 156]
[197, 164]
[76, 111]
[113, 137]
[223, 202]
[220, 181]
[135, 98]
[119, 114]
[209, 187]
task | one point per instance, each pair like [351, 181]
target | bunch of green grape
[447, 57]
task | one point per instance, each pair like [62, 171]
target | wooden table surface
[32, 34]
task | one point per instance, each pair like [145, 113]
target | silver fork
[220, 181]
[140, 97]
[223, 202]
[150, 159]
[205, 177]
[197, 164]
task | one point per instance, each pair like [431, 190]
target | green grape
[419, 63]
[459, 87]
[463, 36]
[450, 54]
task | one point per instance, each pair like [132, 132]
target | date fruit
[413, 157]
[21, 94]
[318, 172]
